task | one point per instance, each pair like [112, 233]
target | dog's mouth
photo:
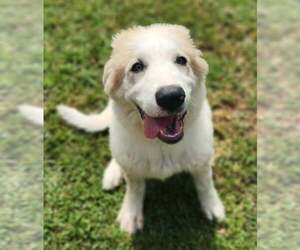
[168, 129]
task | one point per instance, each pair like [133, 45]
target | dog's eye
[181, 60]
[137, 67]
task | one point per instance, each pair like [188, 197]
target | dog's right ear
[114, 69]
[112, 76]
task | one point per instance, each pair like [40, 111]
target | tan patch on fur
[199, 66]
[113, 78]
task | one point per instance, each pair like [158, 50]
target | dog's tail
[33, 114]
[89, 123]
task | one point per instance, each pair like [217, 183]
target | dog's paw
[130, 222]
[112, 176]
[213, 208]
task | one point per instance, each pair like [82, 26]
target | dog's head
[159, 72]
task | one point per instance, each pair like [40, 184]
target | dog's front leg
[131, 214]
[209, 198]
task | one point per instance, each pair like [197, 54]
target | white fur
[33, 114]
[89, 123]
[136, 157]
[112, 176]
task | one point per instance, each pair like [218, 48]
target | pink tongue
[152, 126]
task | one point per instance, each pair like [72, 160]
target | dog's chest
[154, 159]
[159, 160]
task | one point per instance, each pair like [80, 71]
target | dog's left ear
[198, 64]
[112, 76]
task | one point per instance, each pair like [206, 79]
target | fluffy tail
[89, 123]
[33, 114]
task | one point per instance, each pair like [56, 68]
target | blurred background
[278, 125]
[78, 214]
[21, 144]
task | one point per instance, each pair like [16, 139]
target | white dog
[159, 118]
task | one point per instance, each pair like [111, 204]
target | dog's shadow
[173, 218]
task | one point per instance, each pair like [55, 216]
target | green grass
[78, 214]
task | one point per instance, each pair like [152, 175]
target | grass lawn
[78, 214]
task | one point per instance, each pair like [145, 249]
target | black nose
[170, 98]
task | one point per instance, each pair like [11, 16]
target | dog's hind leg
[112, 176]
